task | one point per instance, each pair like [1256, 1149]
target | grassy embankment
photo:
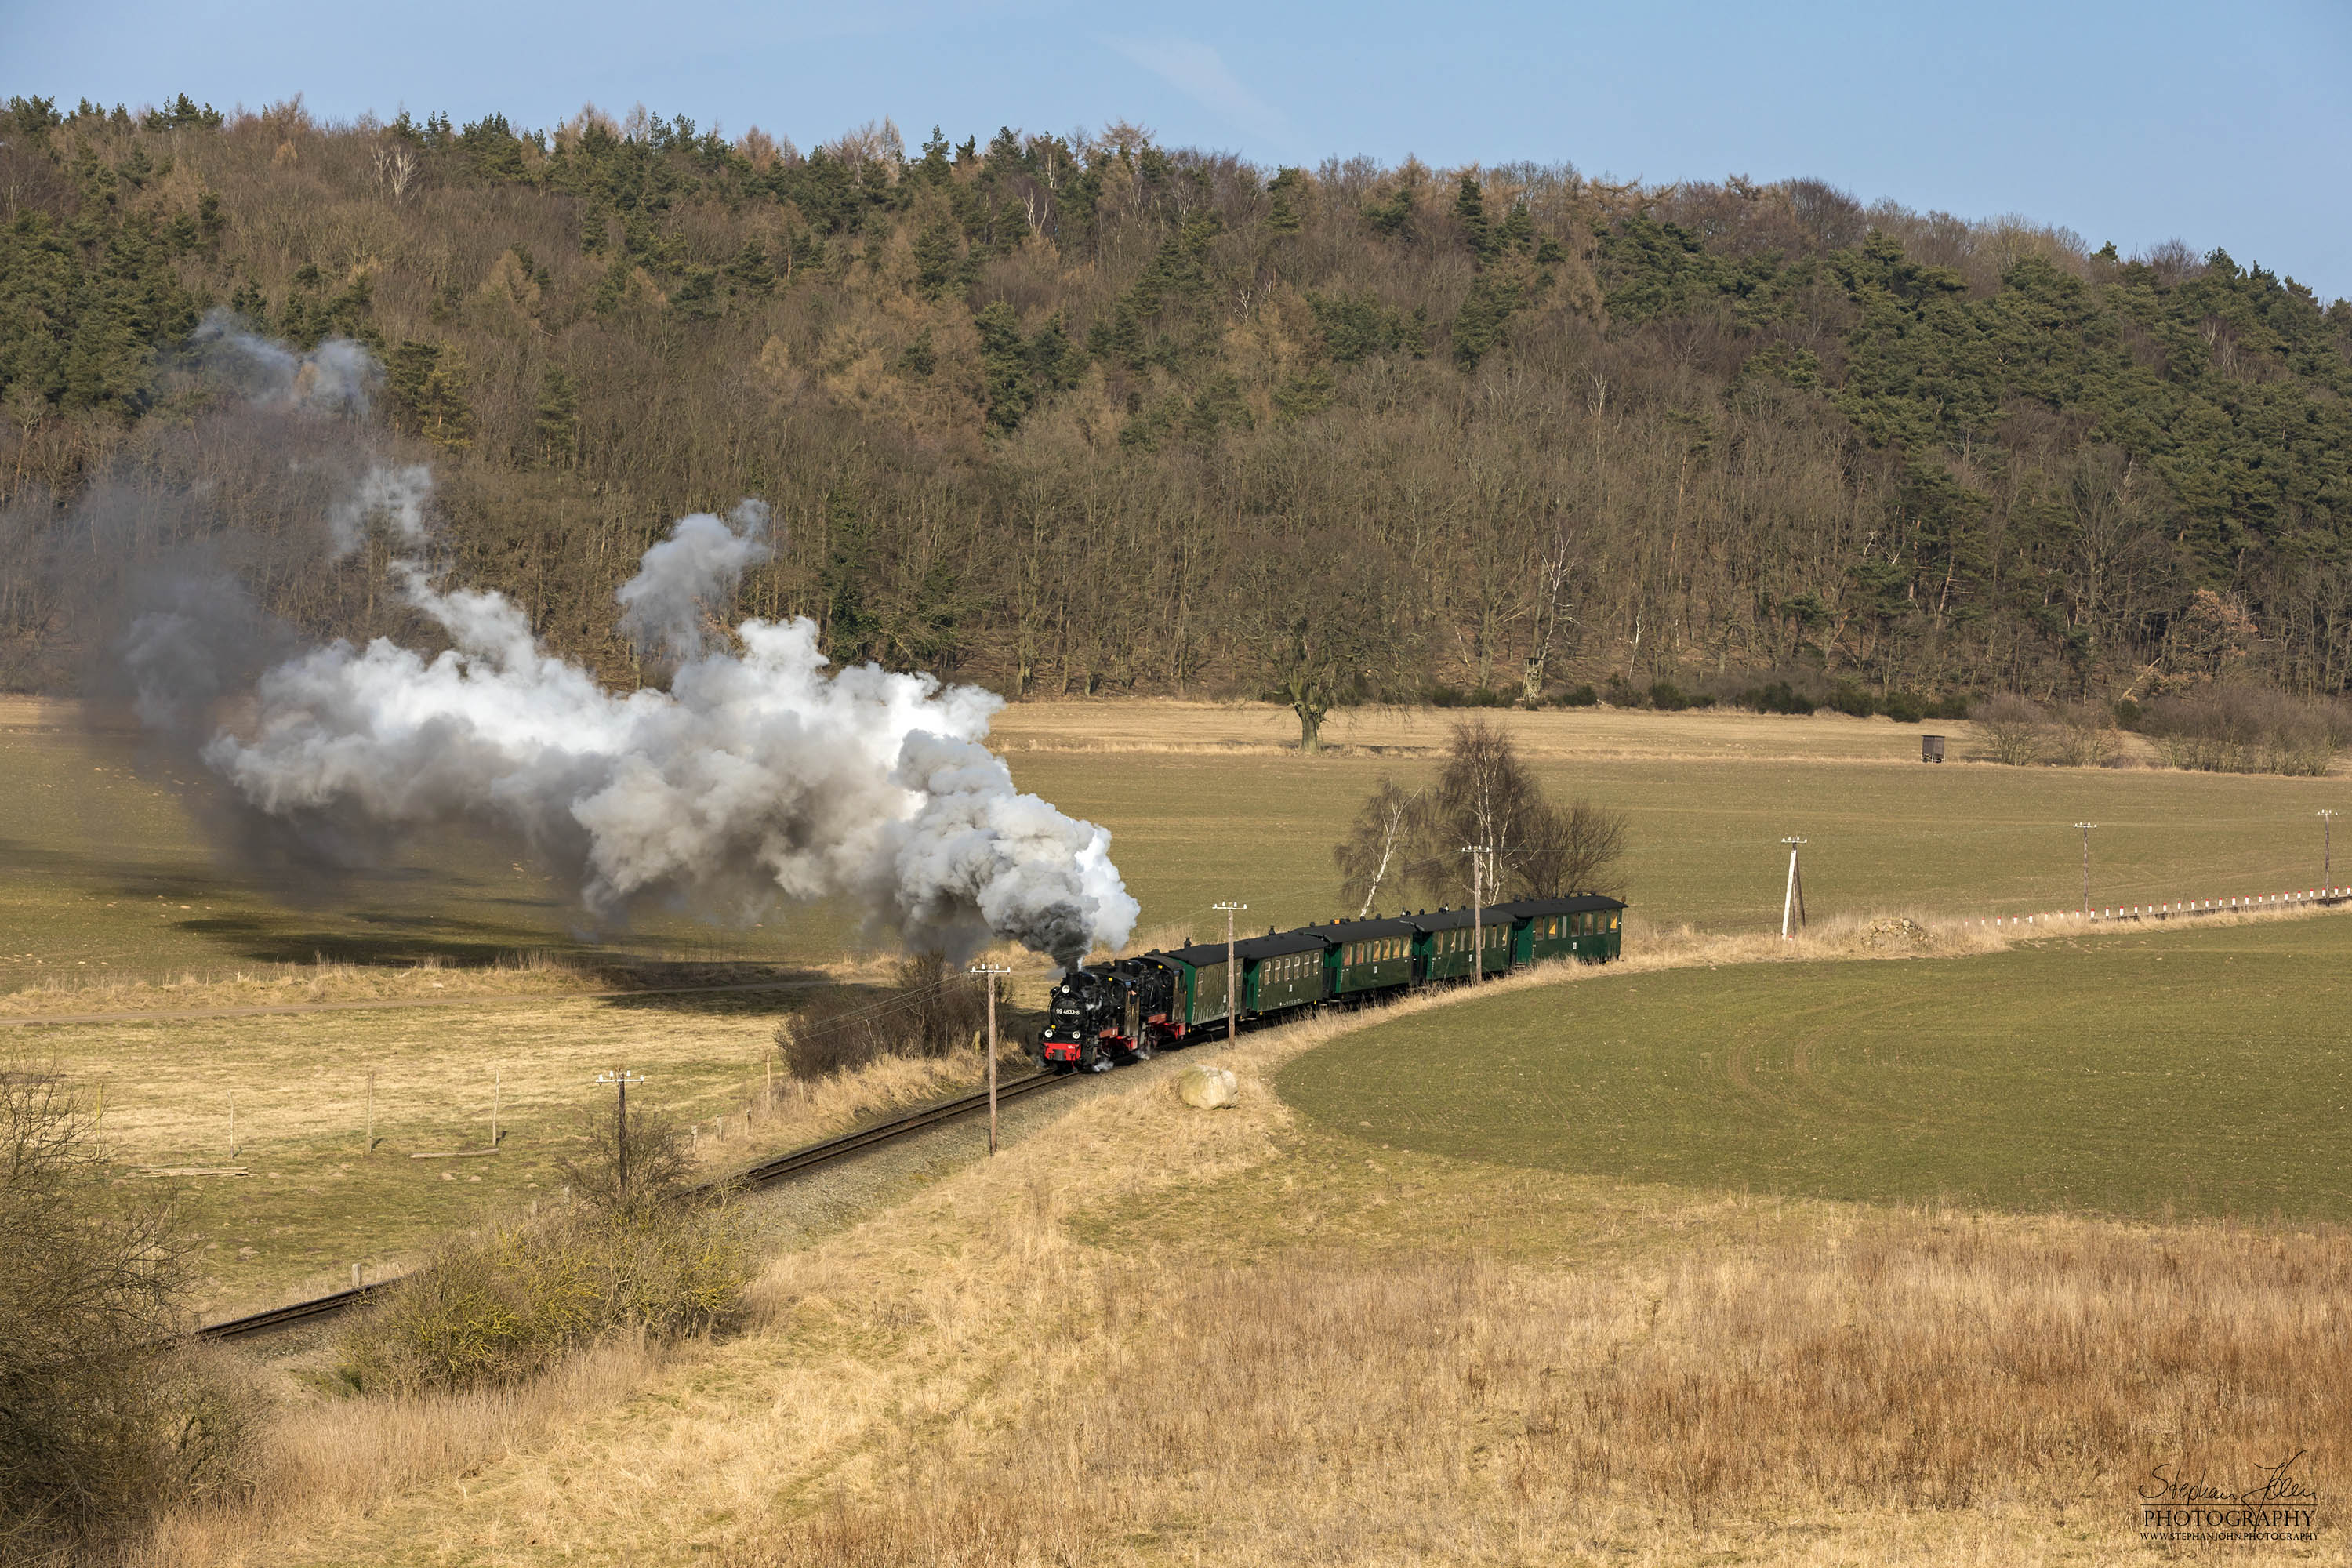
[1164, 1336]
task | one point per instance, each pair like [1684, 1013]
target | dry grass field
[274, 1112]
[104, 877]
[1155, 1335]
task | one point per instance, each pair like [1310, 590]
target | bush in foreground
[631, 1255]
[104, 1417]
[931, 1009]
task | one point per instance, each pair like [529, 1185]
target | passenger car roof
[1361, 930]
[1454, 919]
[1575, 904]
[1203, 953]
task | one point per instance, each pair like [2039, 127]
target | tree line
[1068, 414]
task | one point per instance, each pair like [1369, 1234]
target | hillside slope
[1106, 416]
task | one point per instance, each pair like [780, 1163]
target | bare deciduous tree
[1321, 617]
[1485, 796]
[395, 169]
[2015, 729]
[1380, 847]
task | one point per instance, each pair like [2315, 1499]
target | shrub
[1853, 701]
[104, 1419]
[1904, 706]
[1954, 706]
[1778, 696]
[930, 1010]
[2016, 730]
[1581, 697]
[2246, 730]
[2126, 714]
[2083, 736]
[1668, 698]
[631, 1254]
[509, 1304]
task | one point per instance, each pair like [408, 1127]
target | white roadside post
[1793, 901]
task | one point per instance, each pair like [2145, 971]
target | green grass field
[1704, 842]
[2179, 1073]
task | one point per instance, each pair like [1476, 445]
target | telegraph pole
[2086, 827]
[989, 972]
[621, 1079]
[1233, 1021]
[1477, 913]
[1793, 901]
[2326, 847]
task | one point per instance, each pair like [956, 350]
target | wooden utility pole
[621, 1079]
[2327, 848]
[1793, 900]
[2086, 827]
[1477, 913]
[1232, 1020]
[988, 974]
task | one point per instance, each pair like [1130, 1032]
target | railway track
[814, 1156]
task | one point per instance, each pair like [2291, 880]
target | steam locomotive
[1103, 1015]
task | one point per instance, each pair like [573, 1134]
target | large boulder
[1210, 1089]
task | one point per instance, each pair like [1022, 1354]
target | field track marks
[364, 1007]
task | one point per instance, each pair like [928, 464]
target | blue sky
[2219, 125]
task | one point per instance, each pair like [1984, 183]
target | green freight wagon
[1586, 926]
[1362, 957]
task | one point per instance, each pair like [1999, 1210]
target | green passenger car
[1442, 945]
[1363, 956]
[1278, 973]
[1586, 926]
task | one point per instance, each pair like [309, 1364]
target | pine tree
[1470, 213]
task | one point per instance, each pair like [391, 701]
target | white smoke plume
[759, 774]
[338, 376]
[702, 558]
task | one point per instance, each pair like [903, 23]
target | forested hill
[1077, 415]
